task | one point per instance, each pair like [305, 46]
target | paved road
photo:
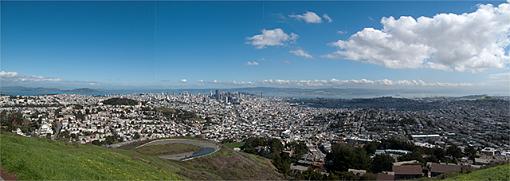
[206, 148]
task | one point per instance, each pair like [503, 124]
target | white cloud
[359, 82]
[252, 63]
[229, 83]
[311, 17]
[335, 83]
[301, 53]
[274, 37]
[308, 17]
[4, 74]
[15, 77]
[183, 81]
[460, 42]
[327, 18]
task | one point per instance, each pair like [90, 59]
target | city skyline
[256, 44]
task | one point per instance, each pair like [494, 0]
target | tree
[381, 163]
[136, 136]
[454, 151]
[439, 153]
[361, 159]
[96, 142]
[343, 157]
[10, 121]
[299, 149]
[371, 147]
[310, 175]
[282, 163]
[470, 152]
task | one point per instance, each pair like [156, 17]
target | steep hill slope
[42, 159]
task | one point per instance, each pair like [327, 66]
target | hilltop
[42, 159]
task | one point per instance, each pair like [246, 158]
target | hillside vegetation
[167, 149]
[501, 172]
[42, 159]
[227, 164]
[120, 101]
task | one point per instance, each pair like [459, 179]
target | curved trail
[206, 148]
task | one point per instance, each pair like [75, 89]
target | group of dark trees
[11, 121]
[178, 114]
[273, 148]
[120, 101]
[345, 156]
[115, 138]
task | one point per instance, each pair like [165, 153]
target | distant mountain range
[345, 93]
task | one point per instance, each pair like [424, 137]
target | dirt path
[4, 175]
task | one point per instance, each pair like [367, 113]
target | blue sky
[188, 44]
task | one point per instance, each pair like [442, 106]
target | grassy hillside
[229, 164]
[501, 172]
[38, 159]
[167, 149]
[226, 164]
[42, 159]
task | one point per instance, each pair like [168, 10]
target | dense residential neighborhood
[304, 141]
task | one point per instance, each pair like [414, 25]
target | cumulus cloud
[301, 53]
[183, 81]
[15, 77]
[311, 17]
[327, 18]
[252, 63]
[308, 17]
[459, 42]
[274, 37]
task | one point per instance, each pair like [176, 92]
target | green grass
[42, 159]
[167, 149]
[227, 164]
[234, 144]
[501, 172]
